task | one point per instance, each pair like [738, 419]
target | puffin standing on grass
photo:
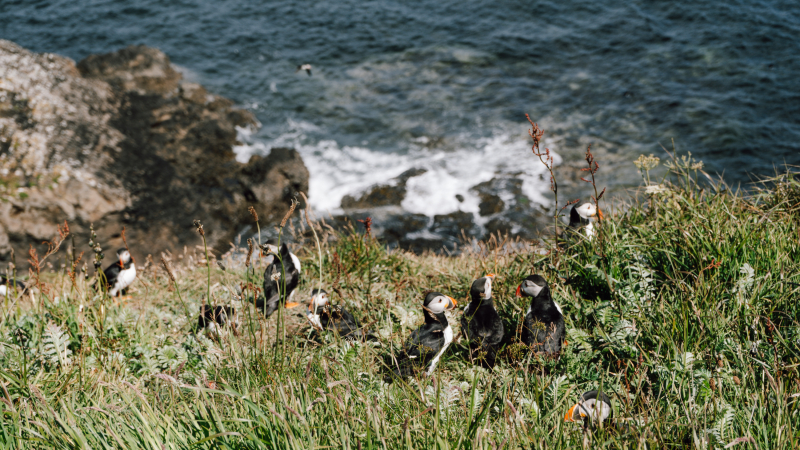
[580, 219]
[481, 324]
[426, 345]
[281, 276]
[543, 326]
[7, 286]
[593, 408]
[324, 316]
[121, 274]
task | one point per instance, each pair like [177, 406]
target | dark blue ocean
[444, 85]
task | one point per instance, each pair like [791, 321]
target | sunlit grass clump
[685, 313]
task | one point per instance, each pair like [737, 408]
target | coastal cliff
[121, 140]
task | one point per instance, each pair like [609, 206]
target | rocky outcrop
[120, 140]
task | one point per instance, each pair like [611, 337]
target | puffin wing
[111, 274]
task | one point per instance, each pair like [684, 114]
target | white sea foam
[338, 170]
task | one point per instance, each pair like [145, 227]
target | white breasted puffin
[580, 219]
[281, 275]
[543, 327]
[481, 324]
[426, 345]
[593, 408]
[121, 274]
[7, 286]
[306, 67]
[324, 316]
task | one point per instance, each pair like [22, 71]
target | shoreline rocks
[120, 140]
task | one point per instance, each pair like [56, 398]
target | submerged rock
[120, 140]
[377, 196]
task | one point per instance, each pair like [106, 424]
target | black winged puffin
[7, 286]
[426, 345]
[121, 274]
[581, 217]
[215, 316]
[324, 316]
[481, 324]
[281, 275]
[543, 327]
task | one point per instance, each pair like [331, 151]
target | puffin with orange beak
[581, 219]
[592, 409]
[481, 324]
[426, 345]
[121, 274]
[543, 326]
[281, 277]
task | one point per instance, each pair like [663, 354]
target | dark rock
[399, 225]
[498, 225]
[490, 202]
[451, 225]
[120, 140]
[383, 195]
[380, 195]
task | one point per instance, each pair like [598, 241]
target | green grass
[685, 313]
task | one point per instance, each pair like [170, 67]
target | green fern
[56, 342]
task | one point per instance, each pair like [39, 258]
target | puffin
[592, 409]
[481, 324]
[7, 286]
[543, 326]
[324, 316]
[306, 67]
[580, 219]
[283, 272]
[212, 317]
[426, 345]
[121, 274]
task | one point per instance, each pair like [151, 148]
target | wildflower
[647, 163]
[249, 252]
[655, 189]
[199, 227]
[289, 213]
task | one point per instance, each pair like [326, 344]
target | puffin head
[124, 256]
[593, 407]
[531, 286]
[580, 214]
[482, 288]
[318, 298]
[436, 302]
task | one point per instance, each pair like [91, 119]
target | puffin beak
[121, 264]
[452, 304]
[291, 305]
[570, 415]
[599, 214]
[519, 289]
[491, 275]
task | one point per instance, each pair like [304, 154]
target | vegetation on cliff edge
[685, 312]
